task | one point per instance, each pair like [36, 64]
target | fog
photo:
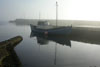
[67, 9]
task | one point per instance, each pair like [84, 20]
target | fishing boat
[44, 27]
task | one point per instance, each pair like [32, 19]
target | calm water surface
[80, 50]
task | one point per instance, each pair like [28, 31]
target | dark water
[80, 49]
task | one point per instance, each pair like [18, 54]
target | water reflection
[44, 39]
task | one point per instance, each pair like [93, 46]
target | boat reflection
[44, 39]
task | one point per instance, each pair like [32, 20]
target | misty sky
[68, 9]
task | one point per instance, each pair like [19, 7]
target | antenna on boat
[56, 13]
[39, 16]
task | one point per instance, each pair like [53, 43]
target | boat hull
[53, 31]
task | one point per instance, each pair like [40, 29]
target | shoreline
[8, 56]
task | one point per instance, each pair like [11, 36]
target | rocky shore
[8, 57]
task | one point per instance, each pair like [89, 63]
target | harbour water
[79, 49]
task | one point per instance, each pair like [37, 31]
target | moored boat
[52, 30]
[44, 27]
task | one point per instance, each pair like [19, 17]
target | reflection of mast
[55, 54]
[39, 48]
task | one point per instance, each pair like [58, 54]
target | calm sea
[80, 49]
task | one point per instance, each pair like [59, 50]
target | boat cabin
[44, 25]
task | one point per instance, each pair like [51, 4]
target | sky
[67, 9]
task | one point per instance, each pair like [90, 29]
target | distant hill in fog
[60, 22]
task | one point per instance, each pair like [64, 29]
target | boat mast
[56, 26]
[56, 13]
